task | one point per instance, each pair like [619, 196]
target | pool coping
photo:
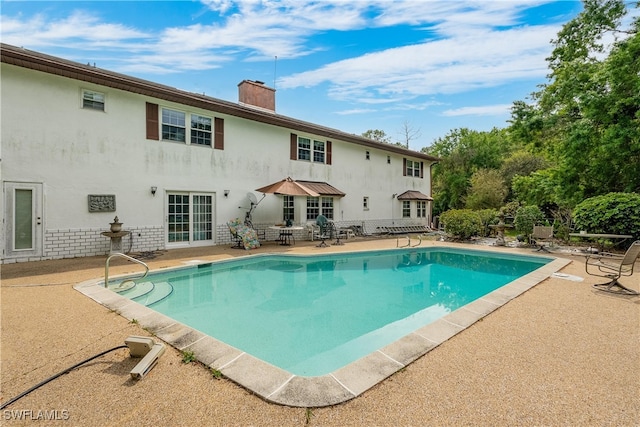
[276, 385]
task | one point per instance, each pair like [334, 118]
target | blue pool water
[311, 315]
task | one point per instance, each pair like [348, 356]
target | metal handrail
[408, 242]
[127, 257]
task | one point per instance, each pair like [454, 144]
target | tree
[377, 135]
[409, 133]
[588, 113]
[487, 190]
[464, 152]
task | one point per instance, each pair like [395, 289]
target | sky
[426, 67]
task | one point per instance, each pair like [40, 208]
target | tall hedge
[612, 213]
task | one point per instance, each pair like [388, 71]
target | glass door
[189, 219]
[23, 220]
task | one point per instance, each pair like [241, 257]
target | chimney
[256, 94]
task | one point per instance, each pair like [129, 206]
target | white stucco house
[80, 145]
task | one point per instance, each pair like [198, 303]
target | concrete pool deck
[560, 353]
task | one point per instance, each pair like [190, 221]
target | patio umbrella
[288, 187]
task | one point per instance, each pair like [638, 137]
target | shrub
[487, 217]
[526, 218]
[615, 213]
[510, 209]
[461, 223]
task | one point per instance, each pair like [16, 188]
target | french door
[23, 219]
[190, 219]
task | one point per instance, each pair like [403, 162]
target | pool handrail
[408, 242]
[128, 258]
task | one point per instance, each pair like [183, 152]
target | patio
[562, 353]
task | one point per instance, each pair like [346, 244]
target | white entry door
[23, 219]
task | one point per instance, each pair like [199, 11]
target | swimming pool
[320, 319]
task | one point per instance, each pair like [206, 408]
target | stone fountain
[500, 227]
[116, 234]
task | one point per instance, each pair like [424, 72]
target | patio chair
[613, 266]
[325, 233]
[541, 234]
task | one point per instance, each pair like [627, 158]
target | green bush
[613, 213]
[526, 218]
[510, 209]
[461, 223]
[487, 217]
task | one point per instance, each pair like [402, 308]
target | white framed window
[367, 155]
[327, 207]
[365, 203]
[312, 150]
[173, 125]
[319, 205]
[92, 100]
[413, 168]
[200, 130]
[313, 208]
[288, 211]
[421, 206]
[304, 148]
[406, 209]
[318, 151]
[388, 160]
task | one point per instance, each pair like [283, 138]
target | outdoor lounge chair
[541, 233]
[245, 236]
[614, 266]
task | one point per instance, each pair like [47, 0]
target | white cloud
[80, 28]
[484, 110]
[465, 49]
[443, 66]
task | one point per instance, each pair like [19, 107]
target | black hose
[35, 387]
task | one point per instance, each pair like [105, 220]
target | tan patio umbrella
[288, 187]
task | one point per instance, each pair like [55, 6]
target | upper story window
[200, 130]
[367, 155]
[303, 148]
[412, 168]
[173, 125]
[318, 151]
[308, 149]
[92, 100]
[388, 160]
[365, 203]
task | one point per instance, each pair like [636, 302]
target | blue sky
[431, 66]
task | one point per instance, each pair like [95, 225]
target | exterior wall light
[153, 190]
[226, 193]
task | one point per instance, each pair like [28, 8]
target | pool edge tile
[213, 353]
[364, 373]
[256, 375]
[309, 392]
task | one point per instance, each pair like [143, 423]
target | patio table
[600, 237]
[286, 233]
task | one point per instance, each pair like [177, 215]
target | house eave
[53, 65]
